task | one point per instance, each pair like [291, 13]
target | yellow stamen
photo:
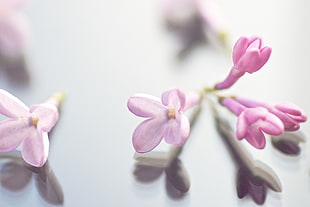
[171, 113]
[35, 121]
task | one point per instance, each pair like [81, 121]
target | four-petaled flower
[27, 126]
[289, 113]
[252, 122]
[248, 56]
[165, 118]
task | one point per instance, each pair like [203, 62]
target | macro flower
[249, 56]
[252, 122]
[165, 119]
[14, 29]
[290, 114]
[27, 127]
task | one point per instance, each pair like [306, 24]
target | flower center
[171, 113]
[35, 121]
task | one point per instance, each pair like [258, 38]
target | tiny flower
[27, 127]
[248, 56]
[290, 114]
[165, 119]
[252, 122]
[14, 29]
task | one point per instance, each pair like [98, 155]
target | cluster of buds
[167, 120]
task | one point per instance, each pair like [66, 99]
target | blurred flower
[165, 119]
[27, 126]
[194, 22]
[289, 113]
[248, 56]
[14, 29]
[252, 122]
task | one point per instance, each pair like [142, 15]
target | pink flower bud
[252, 122]
[248, 56]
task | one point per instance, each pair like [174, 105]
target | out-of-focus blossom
[27, 127]
[194, 22]
[252, 122]
[14, 28]
[290, 114]
[165, 119]
[249, 55]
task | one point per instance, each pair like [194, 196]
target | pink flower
[248, 56]
[289, 113]
[27, 127]
[14, 29]
[252, 122]
[165, 119]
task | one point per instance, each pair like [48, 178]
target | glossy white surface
[101, 52]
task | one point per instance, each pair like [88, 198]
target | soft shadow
[254, 177]
[288, 143]
[16, 70]
[16, 174]
[176, 182]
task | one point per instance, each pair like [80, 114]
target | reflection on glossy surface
[288, 142]
[150, 166]
[15, 69]
[15, 175]
[177, 179]
[253, 176]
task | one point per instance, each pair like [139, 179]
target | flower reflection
[254, 177]
[288, 142]
[150, 166]
[177, 179]
[15, 175]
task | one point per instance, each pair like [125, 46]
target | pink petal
[13, 3]
[242, 126]
[289, 108]
[174, 98]
[12, 132]
[264, 56]
[11, 106]
[35, 148]
[256, 138]
[145, 105]
[148, 134]
[239, 49]
[47, 114]
[249, 61]
[254, 114]
[14, 34]
[192, 99]
[177, 130]
[254, 43]
[271, 125]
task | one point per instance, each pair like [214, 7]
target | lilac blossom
[249, 56]
[252, 122]
[290, 114]
[27, 127]
[165, 119]
[14, 29]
